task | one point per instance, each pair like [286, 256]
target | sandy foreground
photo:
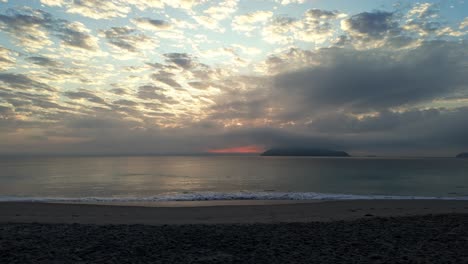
[373, 232]
[222, 212]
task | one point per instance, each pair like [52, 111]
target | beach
[361, 231]
[221, 212]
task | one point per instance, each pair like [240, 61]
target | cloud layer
[190, 76]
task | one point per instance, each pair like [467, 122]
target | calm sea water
[198, 178]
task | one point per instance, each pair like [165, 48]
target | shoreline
[222, 212]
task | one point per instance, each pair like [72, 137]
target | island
[463, 155]
[304, 152]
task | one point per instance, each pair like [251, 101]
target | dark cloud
[411, 132]
[149, 23]
[366, 80]
[21, 81]
[183, 60]
[382, 122]
[374, 25]
[321, 14]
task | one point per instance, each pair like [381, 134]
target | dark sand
[414, 239]
[343, 232]
[290, 212]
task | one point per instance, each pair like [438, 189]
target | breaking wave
[221, 196]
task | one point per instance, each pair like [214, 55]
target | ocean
[193, 178]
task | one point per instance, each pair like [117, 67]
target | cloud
[215, 14]
[118, 91]
[31, 28]
[96, 9]
[86, 95]
[7, 58]
[151, 92]
[369, 30]
[363, 81]
[304, 86]
[53, 2]
[151, 24]
[250, 21]
[76, 35]
[287, 2]
[423, 19]
[375, 25]
[413, 132]
[124, 102]
[278, 31]
[464, 23]
[386, 81]
[181, 4]
[21, 81]
[99, 9]
[222, 10]
[316, 25]
[423, 10]
[182, 60]
[166, 78]
[126, 38]
[5, 112]
[43, 61]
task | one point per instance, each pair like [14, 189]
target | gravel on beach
[414, 239]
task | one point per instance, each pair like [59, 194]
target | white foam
[218, 196]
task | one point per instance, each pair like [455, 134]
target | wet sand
[324, 232]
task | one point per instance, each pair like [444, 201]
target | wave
[219, 196]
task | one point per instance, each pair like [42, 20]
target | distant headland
[463, 155]
[304, 152]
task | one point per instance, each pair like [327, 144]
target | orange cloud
[240, 150]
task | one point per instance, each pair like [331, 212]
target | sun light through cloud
[253, 149]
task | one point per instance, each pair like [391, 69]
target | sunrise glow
[240, 150]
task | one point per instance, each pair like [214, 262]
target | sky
[368, 77]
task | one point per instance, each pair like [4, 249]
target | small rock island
[463, 155]
[304, 152]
